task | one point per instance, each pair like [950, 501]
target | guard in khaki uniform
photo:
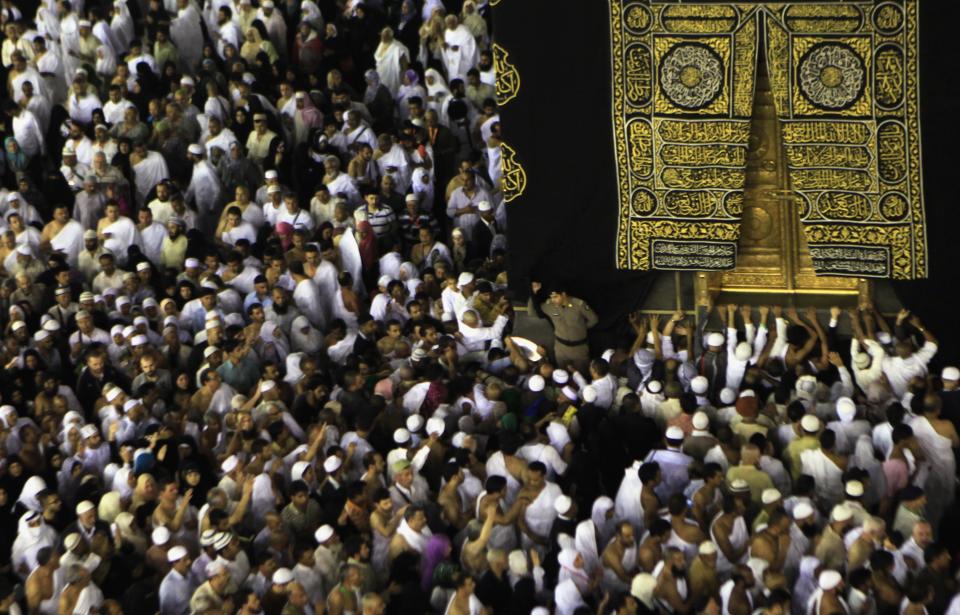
[571, 318]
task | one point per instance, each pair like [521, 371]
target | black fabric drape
[562, 228]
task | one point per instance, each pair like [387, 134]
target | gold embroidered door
[772, 253]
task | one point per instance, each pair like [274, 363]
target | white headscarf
[569, 570]
[806, 583]
[294, 373]
[598, 514]
[567, 597]
[310, 342]
[422, 185]
[270, 333]
[28, 495]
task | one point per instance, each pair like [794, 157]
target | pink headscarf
[285, 233]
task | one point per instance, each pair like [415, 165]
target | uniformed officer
[571, 318]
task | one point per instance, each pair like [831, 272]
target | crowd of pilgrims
[258, 356]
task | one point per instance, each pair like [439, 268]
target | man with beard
[672, 591]
[735, 593]
[173, 250]
[281, 311]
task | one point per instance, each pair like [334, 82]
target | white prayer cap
[810, 423]
[214, 568]
[273, 189]
[884, 338]
[195, 149]
[569, 393]
[701, 420]
[160, 535]
[41, 335]
[187, 80]
[536, 383]
[130, 404]
[72, 541]
[739, 486]
[742, 351]
[138, 340]
[699, 385]
[129, 331]
[747, 393]
[562, 504]
[176, 553]
[715, 339]
[802, 511]
[517, 562]
[208, 537]
[608, 354]
[88, 431]
[484, 206]
[861, 360]
[209, 350]
[123, 300]
[271, 174]
[86, 295]
[17, 325]
[841, 513]
[846, 409]
[143, 266]
[84, 23]
[727, 396]
[323, 534]
[464, 279]
[90, 234]
[222, 541]
[435, 426]
[654, 386]
[411, 198]
[829, 579]
[401, 436]
[282, 576]
[84, 506]
[560, 376]
[459, 439]
[707, 547]
[674, 433]
[589, 393]
[414, 423]
[229, 464]
[331, 464]
[149, 301]
[24, 250]
[113, 393]
[267, 385]
[267, 4]
[854, 488]
[191, 263]
[641, 588]
[769, 496]
[384, 281]
[950, 373]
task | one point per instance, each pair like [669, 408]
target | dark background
[563, 228]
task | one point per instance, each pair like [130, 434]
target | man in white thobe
[460, 52]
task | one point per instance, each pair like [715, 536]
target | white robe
[940, 485]
[186, 34]
[204, 189]
[152, 241]
[307, 298]
[69, 241]
[148, 173]
[388, 59]
[828, 476]
[465, 57]
[123, 234]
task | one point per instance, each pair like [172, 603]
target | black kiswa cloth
[562, 228]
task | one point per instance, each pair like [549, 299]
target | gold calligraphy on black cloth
[845, 84]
